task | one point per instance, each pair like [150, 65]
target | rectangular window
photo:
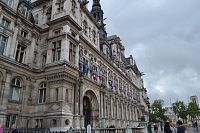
[44, 58]
[3, 41]
[24, 33]
[10, 120]
[57, 94]
[72, 53]
[57, 32]
[8, 2]
[42, 95]
[66, 95]
[20, 53]
[6, 23]
[60, 5]
[56, 51]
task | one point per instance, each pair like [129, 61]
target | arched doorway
[90, 109]
[87, 110]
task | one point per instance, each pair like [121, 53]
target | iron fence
[103, 130]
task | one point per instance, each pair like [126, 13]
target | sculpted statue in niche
[23, 10]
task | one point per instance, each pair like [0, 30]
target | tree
[193, 110]
[157, 111]
[180, 109]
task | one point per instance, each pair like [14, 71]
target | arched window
[42, 93]
[15, 89]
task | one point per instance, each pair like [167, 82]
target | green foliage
[157, 111]
[193, 110]
[180, 109]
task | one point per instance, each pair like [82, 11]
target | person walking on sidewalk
[167, 128]
[181, 128]
[1, 128]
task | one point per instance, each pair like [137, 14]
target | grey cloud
[164, 37]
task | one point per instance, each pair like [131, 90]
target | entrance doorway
[90, 109]
[87, 110]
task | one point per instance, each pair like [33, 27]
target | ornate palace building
[59, 69]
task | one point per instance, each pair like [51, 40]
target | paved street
[193, 130]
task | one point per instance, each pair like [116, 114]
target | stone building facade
[59, 69]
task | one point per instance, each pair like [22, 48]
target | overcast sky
[164, 38]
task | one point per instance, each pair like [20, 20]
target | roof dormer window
[73, 7]
[60, 5]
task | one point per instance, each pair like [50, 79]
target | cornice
[66, 18]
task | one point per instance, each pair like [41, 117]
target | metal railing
[99, 130]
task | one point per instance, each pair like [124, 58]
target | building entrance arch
[90, 109]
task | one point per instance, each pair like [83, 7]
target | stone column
[76, 104]
[77, 56]
[8, 47]
[6, 91]
[49, 54]
[81, 105]
[30, 55]
[13, 44]
[65, 50]
[2, 93]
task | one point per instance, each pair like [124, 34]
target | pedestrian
[167, 128]
[161, 126]
[155, 128]
[1, 128]
[14, 129]
[173, 127]
[196, 125]
[181, 128]
[149, 128]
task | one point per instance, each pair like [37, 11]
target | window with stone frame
[56, 94]
[15, 89]
[10, 120]
[120, 85]
[42, 93]
[72, 52]
[5, 22]
[3, 42]
[36, 18]
[85, 27]
[94, 36]
[48, 14]
[44, 58]
[57, 32]
[74, 6]
[60, 5]
[56, 51]
[39, 123]
[90, 33]
[66, 95]
[20, 53]
[8, 2]
[116, 83]
[106, 75]
[24, 33]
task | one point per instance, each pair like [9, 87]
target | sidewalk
[193, 130]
